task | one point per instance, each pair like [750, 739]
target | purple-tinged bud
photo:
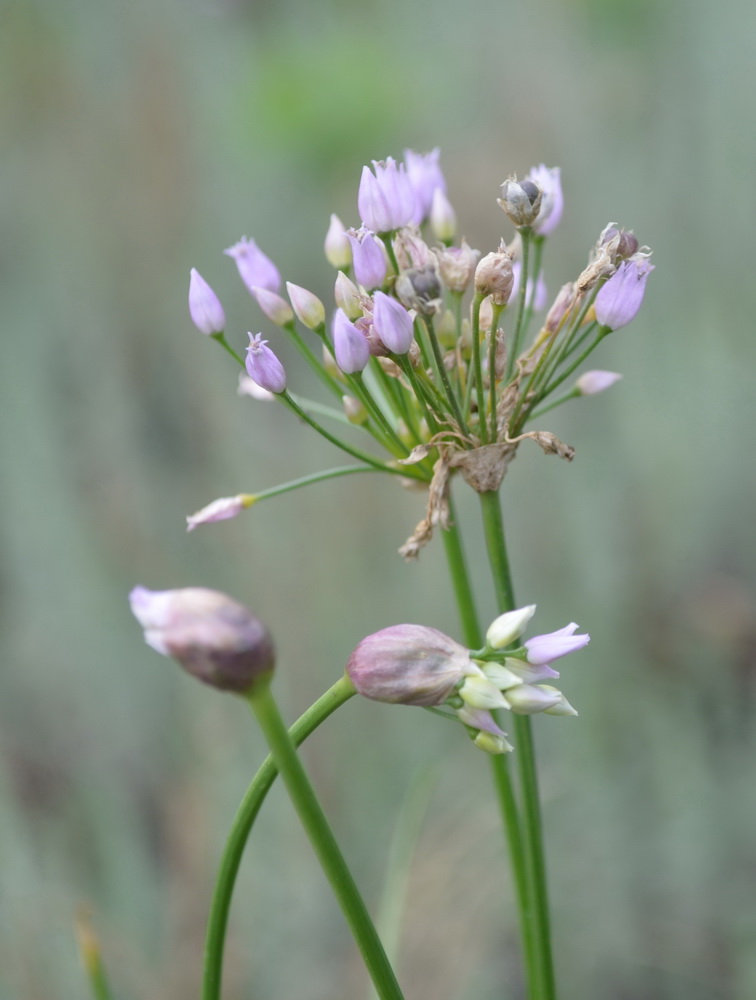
[621, 243]
[255, 268]
[543, 649]
[528, 699]
[348, 297]
[457, 266]
[494, 276]
[420, 290]
[549, 181]
[541, 292]
[221, 509]
[619, 300]
[560, 307]
[211, 635]
[392, 323]
[490, 738]
[205, 307]
[408, 665]
[508, 627]
[368, 258]
[308, 307]
[526, 672]
[425, 178]
[593, 382]
[443, 221]
[520, 201]
[263, 366]
[562, 707]
[386, 200]
[275, 308]
[248, 387]
[337, 249]
[349, 345]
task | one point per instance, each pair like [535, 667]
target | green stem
[221, 339]
[316, 477]
[478, 373]
[444, 375]
[363, 456]
[603, 332]
[538, 941]
[497, 310]
[316, 714]
[519, 322]
[316, 826]
[313, 361]
[572, 394]
[393, 441]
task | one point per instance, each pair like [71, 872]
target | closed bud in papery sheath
[263, 367]
[275, 308]
[591, 383]
[457, 266]
[443, 221]
[368, 258]
[349, 344]
[337, 248]
[408, 665]
[392, 323]
[508, 627]
[308, 307]
[348, 297]
[520, 201]
[205, 307]
[212, 636]
[255, 268]
[494, 276]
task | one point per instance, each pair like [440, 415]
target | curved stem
[540, 964]
[245, 817]
[312, 818]
[221, 339]
[444, 375]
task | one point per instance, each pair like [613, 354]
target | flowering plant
[428, 353]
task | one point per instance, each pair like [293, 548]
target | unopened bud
[337, 248]
[562, 707]
[443, 221]
[492, 743]
[560, 307]
[521, 201]
[211, 635]
[509, 626]
[480, 692]
[205, 307]
[408, 665]
[347, 296]
[591, 383]
[275, 308]
[221, 509]
[528, 699]
[308, 307]
[263, 366]
[457, 266]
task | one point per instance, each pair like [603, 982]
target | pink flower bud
[255, 268]
[205, 308]
[349, 345]
[337, 249]
[263, 367]
[275, 308]
[392, 323]
[368, 258]
[308, 307]
[211, 635]
[426, 179]
[386, 200]
[543, 649]
[220, 510]
[408, 665]
[593, 382]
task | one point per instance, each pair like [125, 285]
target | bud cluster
[417, 665]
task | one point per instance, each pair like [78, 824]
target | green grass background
[137, 141]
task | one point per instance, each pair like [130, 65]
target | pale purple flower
[306, 305]
[222, 509]
[392, 323]
[619, 300]
[543, 649]
[386, 199]
[426, 178]
[479, 718]
[527, 673]
[248, 387]
[408, 665]
[205, 308]
[549, 181]
[212, 636]
[255, 268]
[275, 308]
[593, 382]
[263, 366]
[368, 258]
[541, 292]
[337, 250]
[349, 344]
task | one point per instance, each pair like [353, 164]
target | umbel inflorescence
[427, 348]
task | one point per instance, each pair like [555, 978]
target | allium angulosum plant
[429, 351]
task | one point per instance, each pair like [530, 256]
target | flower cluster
[417, 665]
[427, 348]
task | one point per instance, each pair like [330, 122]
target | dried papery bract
[520, 201]
[214, 637]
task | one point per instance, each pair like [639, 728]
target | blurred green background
[137, 141]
